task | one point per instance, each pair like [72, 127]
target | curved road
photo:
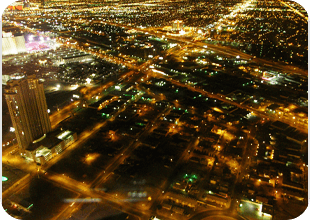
[220, 214]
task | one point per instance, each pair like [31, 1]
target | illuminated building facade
[50, 145]
[18, 5]
[75, 58]
[177, 25]
[28, 110]
[5, 79]
[13, 45]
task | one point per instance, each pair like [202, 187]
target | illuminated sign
[63, 134]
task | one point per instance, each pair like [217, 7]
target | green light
[4, 179]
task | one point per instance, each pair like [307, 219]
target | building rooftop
[280, 125]
[50, 140]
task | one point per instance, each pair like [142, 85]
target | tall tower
[28, 110]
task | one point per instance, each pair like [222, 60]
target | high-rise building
[13, 44]
[28, 110]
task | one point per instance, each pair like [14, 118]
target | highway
[76, 186]
[223, 99]
[79, 187]
[218, 49]
[296, 11]
[87, 190]
[156, 32]
[61, 114]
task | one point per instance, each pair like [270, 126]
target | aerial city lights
[155, 109]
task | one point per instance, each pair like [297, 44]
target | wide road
[157, 32]
[110, 199]
[223, 99]
[84, 136]
[296, 11]
[216, 48]
[63, 113]
[100, 196]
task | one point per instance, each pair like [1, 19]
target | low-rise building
[218, 200]
[49, 145]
